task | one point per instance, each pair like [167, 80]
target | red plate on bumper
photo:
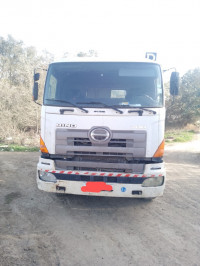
[96, 187]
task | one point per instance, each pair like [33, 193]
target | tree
[185, 108]
[11, 53]
[19, 115]
[90, 53]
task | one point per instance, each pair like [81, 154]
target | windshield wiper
[72, 104]
[149, 110]
[105, 105]
[141, 109]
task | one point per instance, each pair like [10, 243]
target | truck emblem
[99, 135]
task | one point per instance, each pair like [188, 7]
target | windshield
[98, 84]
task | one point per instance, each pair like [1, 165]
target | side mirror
[36, 76]
[35, 91]
[174, 83]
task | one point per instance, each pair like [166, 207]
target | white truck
[102, 128]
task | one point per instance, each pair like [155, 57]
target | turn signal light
[43, 147]
[160, 150]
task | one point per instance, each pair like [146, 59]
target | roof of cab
[104, 59]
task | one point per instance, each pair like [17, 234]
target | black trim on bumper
[107, 179]
[139, 160]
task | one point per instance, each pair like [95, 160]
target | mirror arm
[38, 103]
[45, 69]
[165, 70]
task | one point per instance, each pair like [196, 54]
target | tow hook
[136, 192]
[61, 189]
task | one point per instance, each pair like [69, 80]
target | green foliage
[179, 136]
[185, 108]
[18, 148]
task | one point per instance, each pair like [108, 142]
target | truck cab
[102, 128]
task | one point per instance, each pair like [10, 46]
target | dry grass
[20, 117]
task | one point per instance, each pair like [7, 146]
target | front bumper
[114, 184]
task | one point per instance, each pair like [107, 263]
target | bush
[20, 116]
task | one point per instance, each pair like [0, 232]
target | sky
[116, 27]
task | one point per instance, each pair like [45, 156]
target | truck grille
[116, 155]
[87, 142]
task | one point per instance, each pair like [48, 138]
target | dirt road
[38, 228]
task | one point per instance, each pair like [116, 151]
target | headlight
[48, 177]
[153, 181]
